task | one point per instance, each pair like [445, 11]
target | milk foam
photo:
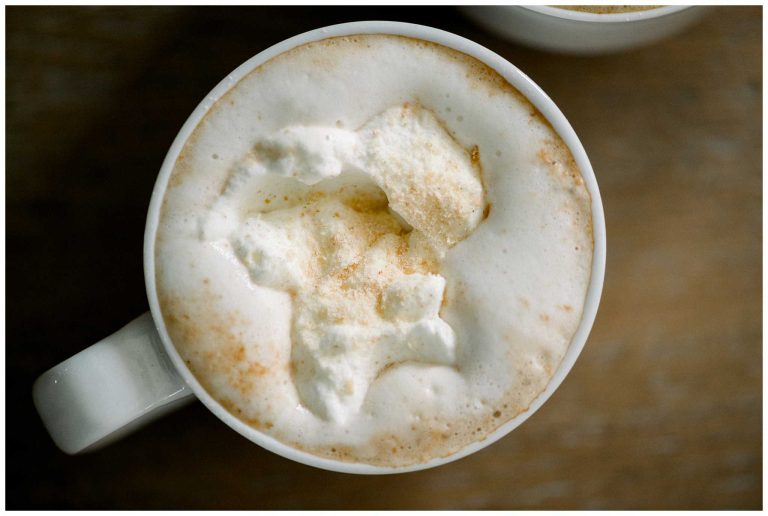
[374, 249]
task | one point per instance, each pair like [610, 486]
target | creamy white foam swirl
[361, 269]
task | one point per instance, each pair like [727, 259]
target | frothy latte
[374, 249]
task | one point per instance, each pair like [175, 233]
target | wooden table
[662, 410]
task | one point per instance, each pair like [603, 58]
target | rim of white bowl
[513, 75]
[633, 16]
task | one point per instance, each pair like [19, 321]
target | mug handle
[110, 389]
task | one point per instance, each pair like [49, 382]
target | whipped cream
[361, 266]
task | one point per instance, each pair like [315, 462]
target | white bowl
[576, 32]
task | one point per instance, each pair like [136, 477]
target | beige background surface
[662, 410]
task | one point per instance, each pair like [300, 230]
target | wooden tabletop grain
[662, 410]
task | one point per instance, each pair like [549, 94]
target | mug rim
[627, 17]
[510, 73]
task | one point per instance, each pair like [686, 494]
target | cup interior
[515, 77]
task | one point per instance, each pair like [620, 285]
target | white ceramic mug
[576, 32]
[136, 374]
